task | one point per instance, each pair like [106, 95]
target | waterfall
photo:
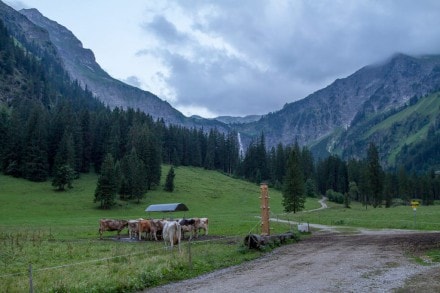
[240, 146]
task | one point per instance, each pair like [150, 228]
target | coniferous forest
[53, 129]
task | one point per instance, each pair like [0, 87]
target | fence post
[31, 287]
[189, 254]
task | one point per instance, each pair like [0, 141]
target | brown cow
[149, 227]
[111, 225]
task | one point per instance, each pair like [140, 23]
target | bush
[334, 196]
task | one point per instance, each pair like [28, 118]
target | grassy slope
[426, 107]
[57, 232]
[232, 205]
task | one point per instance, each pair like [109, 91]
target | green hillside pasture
[400, 217]
[426, 107]
[57, 232]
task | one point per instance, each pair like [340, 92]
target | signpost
[414, 205]
[265, 230]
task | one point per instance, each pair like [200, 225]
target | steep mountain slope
[402, 135]
[349, 101]
[81, 65]
[18, 24]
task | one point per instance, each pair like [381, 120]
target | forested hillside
[48, 121]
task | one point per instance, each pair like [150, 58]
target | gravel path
[327, 262]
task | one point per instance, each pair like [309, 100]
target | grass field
[399, 217]
[57, 232]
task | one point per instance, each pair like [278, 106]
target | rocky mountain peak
[378, 87]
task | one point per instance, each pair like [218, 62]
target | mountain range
[393, 103]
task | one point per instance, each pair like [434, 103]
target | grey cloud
[133, 80]
[288, 49]
[165, 30]
[16, 4]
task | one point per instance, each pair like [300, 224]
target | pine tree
[64, 175]
[66, 151]
[105, 192]
[169, 183]
[375, 175]
[134, 174]
[293, 189]
[35, 165]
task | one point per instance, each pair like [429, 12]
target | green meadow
[357, 216]
[57, 232]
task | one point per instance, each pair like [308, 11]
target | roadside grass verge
[399, 217]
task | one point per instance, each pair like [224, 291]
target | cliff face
[81, 65]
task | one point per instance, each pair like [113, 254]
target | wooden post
[265, 229]
[189, 254]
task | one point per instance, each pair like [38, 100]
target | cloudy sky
[227, 57]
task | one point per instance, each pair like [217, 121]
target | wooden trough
[259, 241]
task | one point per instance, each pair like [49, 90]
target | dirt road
[330, 262]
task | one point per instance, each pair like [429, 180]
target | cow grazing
[201, 223]
[157, 227]
[172, 232]
[145, 226]
[111, 225]
[133, 228]
[188, 225]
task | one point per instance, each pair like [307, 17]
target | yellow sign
[414, 204]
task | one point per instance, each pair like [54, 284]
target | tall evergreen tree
[404, 188]
[106, 189]
[13, 145]
[134, 173]
[66, 151]
[169, 182]
[35, 165]
[87, 141]
[375, 175]
[293, 191]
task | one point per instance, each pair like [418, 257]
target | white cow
[172, 232]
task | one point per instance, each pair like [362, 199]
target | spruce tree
[64, 176]
[169, 183]
[35, 165]
[134, 174]
[375, 175]
[293, 189]
[105, 192]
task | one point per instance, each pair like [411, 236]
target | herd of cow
[171, 231]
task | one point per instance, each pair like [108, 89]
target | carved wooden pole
[265, 230]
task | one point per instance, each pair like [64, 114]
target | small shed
[167, 207]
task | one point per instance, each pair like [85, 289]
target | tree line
[52, 129]
[294, 170]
